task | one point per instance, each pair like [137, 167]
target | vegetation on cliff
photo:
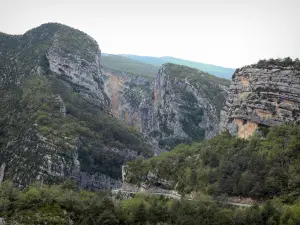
[258, 167]
[135, 94]
[209, 86]
[286, 62]
[279, 62]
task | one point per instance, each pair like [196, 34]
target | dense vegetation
[258, 167]
[211, 69]
[124, 64]
[64, 204]
[279, 62]
[286, 62]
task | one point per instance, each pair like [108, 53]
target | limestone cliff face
[182, 104]
[186, 106]
[79, 71]
[261, 96]
[131, 98]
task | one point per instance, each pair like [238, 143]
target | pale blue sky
[228, 33]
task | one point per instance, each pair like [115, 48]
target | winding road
[179, 197]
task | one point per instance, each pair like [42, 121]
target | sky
[229, 33]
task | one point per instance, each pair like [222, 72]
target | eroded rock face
[184, 111]
[131, 98]
[2, 170]
[79, 71]
[2, 221]
[182, 104]
[261, 97]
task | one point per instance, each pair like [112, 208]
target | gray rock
[160, 110]
[261, 97]
[2, 170]
[79, 71]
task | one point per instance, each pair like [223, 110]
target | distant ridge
[126, 64]
[218, 71]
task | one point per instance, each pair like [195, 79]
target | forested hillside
[261, 167]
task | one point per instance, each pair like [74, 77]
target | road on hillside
[179, 197]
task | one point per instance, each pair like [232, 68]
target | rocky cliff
[131, 98]
[55, 116]
[187, 104]
[263, 94]
[182, 104]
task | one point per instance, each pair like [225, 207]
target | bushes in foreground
[61, 204]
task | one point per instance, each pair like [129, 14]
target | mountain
[256, 155]
[125, 64]
[262, 95]
[182, 104]
[209, 68]
[55, 115]
[56, 123]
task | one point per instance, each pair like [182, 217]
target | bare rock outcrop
[261, 96]
[180, 106]
[2, 170]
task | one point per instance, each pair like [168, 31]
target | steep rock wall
[184, 108]
[261, 96]
[131, 98]
[182, 104]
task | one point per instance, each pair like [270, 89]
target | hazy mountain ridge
[125, 64]
[218, 71]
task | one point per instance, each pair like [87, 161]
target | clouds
[227, 33]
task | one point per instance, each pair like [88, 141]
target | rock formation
[262, 95]
[2, 170]
[187, 104]
[55, 116]
[182, 104]
[131, 98]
